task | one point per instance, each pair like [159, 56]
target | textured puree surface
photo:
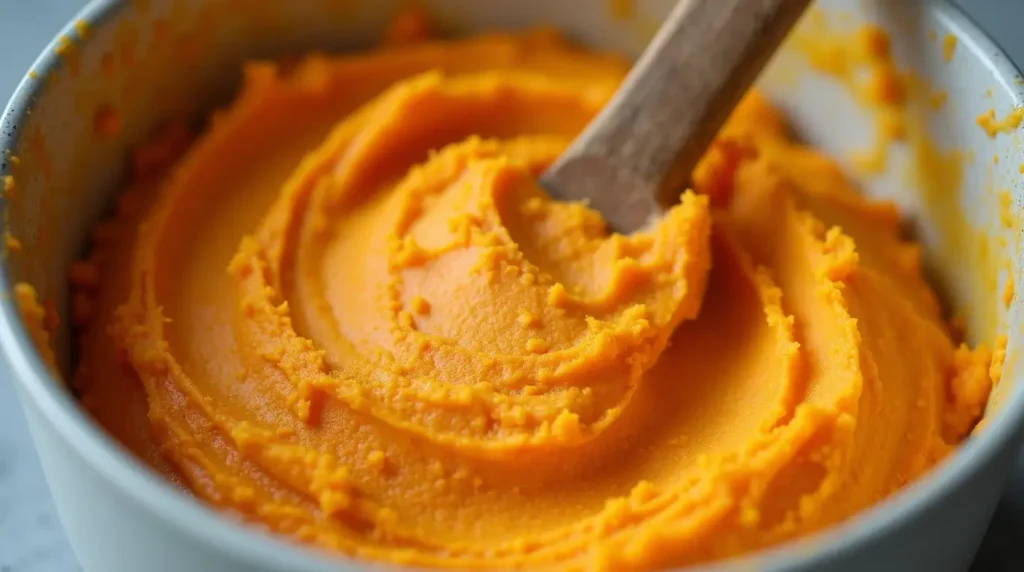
[347, 313]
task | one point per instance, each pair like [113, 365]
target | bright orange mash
[390, 343]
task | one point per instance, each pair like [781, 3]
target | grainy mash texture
[348, 314]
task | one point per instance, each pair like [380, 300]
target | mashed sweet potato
[348, 314]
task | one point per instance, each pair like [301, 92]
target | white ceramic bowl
[121, 517]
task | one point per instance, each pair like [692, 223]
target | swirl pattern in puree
[349, 314]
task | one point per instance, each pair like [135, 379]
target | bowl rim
[204, 525]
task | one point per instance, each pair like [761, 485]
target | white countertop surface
[31, 539]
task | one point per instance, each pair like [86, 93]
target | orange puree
[348, 314]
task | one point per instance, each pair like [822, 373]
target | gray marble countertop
[31, 539]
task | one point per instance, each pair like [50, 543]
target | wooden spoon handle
[674, 100]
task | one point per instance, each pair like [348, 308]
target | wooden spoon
[654, 130]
